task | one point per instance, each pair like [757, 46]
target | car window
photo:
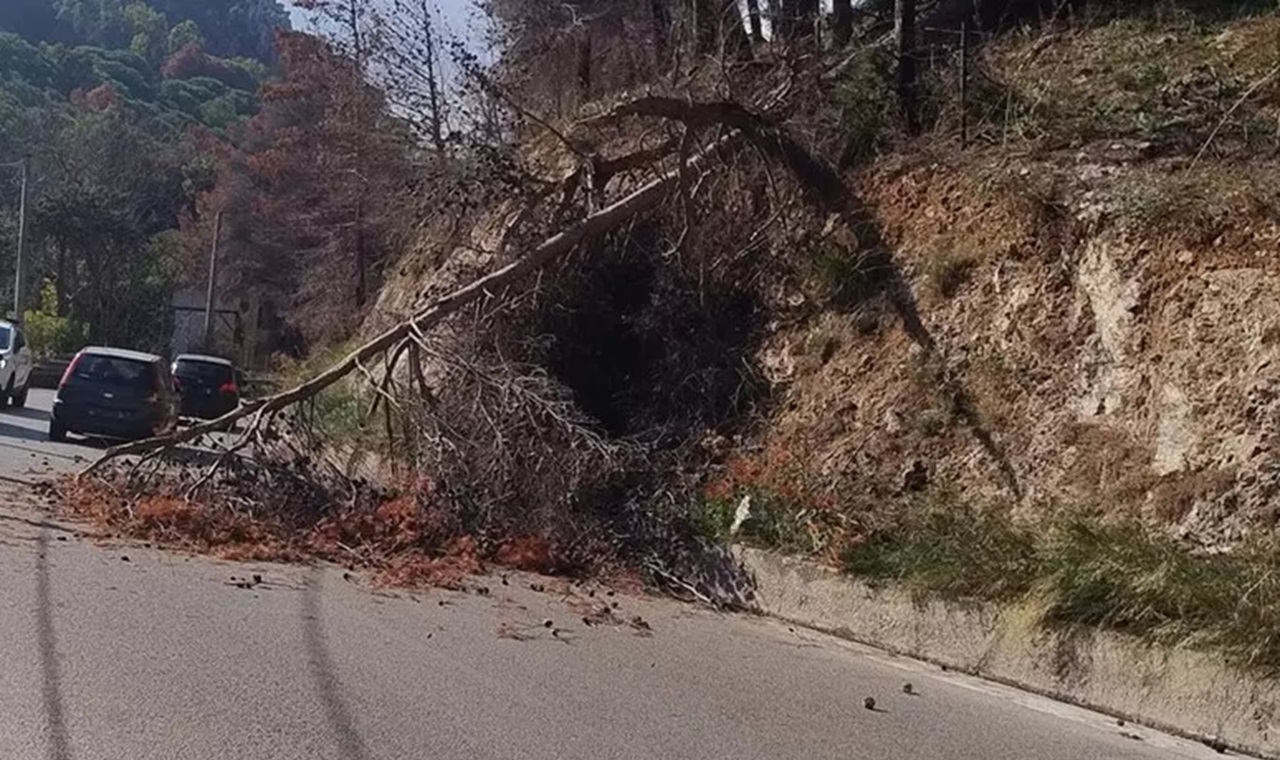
[206, 372]
[6, 336]
[113, 370]
[19, 340]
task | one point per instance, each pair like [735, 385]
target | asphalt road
[113, 650]
[26, 453]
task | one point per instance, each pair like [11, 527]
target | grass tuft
[1080, 572]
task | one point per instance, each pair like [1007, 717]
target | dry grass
[1170, 80]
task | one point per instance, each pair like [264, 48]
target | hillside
[1076, 321]
[108, 103]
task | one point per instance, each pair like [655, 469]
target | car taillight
[71, 367]
[229, 388]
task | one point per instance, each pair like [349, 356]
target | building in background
[236, 327]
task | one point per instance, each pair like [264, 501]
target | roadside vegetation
[1079, 570]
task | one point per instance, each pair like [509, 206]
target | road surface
[26, 453]
[113, 650]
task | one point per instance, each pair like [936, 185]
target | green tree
[183, 34]
[99, 22]
[150, 31]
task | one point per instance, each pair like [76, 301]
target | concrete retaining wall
[1183, 692]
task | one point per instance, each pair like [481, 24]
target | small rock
[907, 688]
[869, 703]
[1120, 722]
[349, 576]
[257, 578]
[124, 558]
[1216, 745]
[547, 623]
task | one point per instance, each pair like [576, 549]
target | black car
[114, 393]
[208, 385]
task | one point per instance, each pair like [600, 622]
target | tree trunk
[717, 28]
[661, 31]
[362, 287]
[842, 22]
[753, 16]
[904, 28]
[795, 19]
[436, 117]
[584, 66]
[737, 42]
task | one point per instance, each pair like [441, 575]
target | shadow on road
[323, 675]
[51, 676]
[22, 433]
[28, 413]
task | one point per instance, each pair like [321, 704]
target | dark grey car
[114, 393]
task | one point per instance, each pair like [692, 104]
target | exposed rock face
[1107, 365]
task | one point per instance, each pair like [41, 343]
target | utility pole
[213, 280]
[22, 234]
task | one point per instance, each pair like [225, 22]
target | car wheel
[20, 398]
[8, 393]
[57, 432]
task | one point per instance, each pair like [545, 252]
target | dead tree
[904, 31]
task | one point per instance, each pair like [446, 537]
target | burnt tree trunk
[842, 22]
[717, 27]
[796, 19]
[584, 66]
[904, 28]
[661, 30]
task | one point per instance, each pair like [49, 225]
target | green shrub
[49, 334]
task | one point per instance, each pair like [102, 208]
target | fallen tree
[411, 331]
